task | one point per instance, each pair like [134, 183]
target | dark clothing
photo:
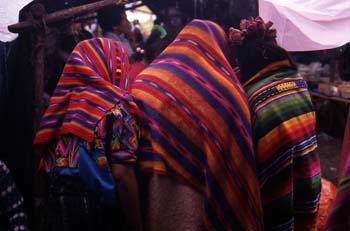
[13, 216]
[73, 207]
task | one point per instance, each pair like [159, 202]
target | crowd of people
[210, 130]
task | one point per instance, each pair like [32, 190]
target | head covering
[197, 126]
[92, 82]
[255, 40]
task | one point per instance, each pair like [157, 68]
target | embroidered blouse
[63, 152]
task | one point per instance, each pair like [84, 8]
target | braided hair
[255, 46]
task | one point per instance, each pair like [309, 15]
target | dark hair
[254, 46]
[110, 16]
[153, 46]
[255, 54]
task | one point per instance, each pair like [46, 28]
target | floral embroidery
[101, 162]
[64, 152]
[62, 162]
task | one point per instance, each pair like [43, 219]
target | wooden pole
[38, 12]
[63, 15]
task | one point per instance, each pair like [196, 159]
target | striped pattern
[285, 142]
[339, 217]
[344, 168]
[90, 85]
[197, 126]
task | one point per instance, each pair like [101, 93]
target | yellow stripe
[344, 183]
[280, 95]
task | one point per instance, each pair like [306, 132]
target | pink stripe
[344, 168]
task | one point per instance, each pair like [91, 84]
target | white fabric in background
[304, 25]
[9, 10]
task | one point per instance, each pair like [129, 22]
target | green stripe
[344, 183]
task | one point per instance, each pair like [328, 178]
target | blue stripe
[76, 62]
[83, 114]
[52, 118]
[87, 56]
[151, 156]
[209, 28]
[81, 122]
[224, 205]
[110, 61]
[110, 97]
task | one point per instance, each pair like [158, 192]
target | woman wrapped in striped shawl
[91, 110]
[196, 140]
[283, 120]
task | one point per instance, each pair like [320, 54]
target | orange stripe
[100, 65]
[290, 129]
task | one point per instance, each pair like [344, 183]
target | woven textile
[285, 142]
[12, 209]
[197, 126]
[90, 85]
[64, 152]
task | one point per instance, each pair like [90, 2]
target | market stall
[321, 26]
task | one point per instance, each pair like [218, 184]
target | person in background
[12, 213]
[144, 55]
[344, 62]
[339, 217]
[115, 25]
[89, 132]
[283, 120]
[139, 34]
[196, 156]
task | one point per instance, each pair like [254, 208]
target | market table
[336, 112]
[317, 93]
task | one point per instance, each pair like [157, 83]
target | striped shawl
[197, 126]
[285, 141]
[90, 85]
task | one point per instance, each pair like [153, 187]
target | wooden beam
[62, 15]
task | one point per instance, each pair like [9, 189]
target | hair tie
[235, 36]
[140, 50]
[251, 28]
[161, 29]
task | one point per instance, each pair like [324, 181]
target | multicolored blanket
[285, 141]
[92, 82]
[197, 126]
